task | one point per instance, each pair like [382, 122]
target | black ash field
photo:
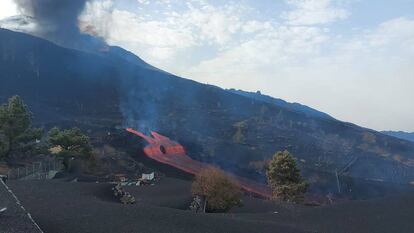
[59, 206]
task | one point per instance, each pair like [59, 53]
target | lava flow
[164, 150]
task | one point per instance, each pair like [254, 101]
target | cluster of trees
[17, 136]
[220, 193]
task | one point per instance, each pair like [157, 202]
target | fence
[37, 170]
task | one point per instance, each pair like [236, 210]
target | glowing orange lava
[164, 150]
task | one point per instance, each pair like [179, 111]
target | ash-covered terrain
[59, 206]
[14, 218]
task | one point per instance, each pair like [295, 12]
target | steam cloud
[57, 21]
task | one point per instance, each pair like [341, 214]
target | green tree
[284, 178]
[69, 143]
[16, 132]
[219, 191]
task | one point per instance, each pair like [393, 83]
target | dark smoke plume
[57, 21]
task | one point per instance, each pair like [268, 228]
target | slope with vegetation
[105, 93]
[281, 103]
[400, 134]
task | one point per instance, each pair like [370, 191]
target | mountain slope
[281, 103]
[400, 134]
[90, 44]
[70, 87]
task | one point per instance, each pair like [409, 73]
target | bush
[284, 178]
[219, 191]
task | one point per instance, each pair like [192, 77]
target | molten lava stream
[166, 151]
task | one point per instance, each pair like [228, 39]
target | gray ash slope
[89, 207]
[15, 219]
[105, 91]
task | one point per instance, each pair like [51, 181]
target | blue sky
[353, 59]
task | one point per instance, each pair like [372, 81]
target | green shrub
[220, 191]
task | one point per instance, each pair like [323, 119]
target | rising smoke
[57, 21]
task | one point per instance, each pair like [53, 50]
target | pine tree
[284, 178]
[16, 132]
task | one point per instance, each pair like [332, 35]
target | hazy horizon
[352, 59]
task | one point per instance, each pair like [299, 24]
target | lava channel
[166, 151]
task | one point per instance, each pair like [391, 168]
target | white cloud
[154, 40]
[398, 32]
[253, 26]
[8, 8]
[145, 2]
[261, 57]
[160, 39]
[19, 24]
[130, 27]
[216, 24]
[272, 46]
[391, 42]
[311, 12]
[366, 79]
